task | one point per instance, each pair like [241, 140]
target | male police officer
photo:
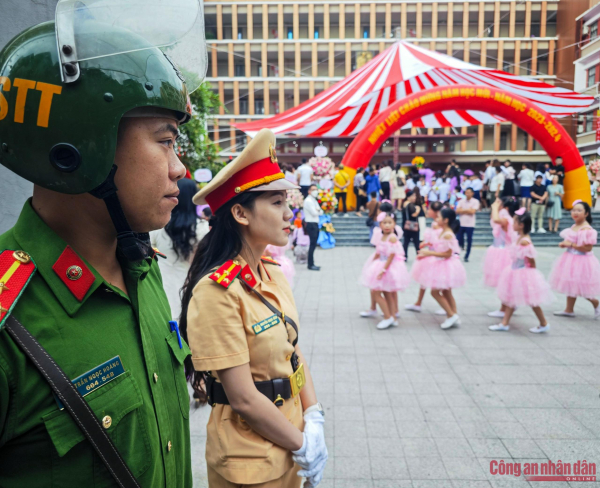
[77, 269]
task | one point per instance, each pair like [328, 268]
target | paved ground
[416, 406]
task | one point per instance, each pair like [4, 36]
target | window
[589, 123]
[243, 106]
[591, 76]
[240, 35]
[365, 32]
[503, 141]
[239, 70]
[593, 31]
[240, 142]
[290, 33]
[259, 107]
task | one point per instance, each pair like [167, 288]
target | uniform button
[169, 446]
[106, 421]
[155, 378]
[288, 357]
[296, 402]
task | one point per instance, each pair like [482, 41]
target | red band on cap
[250, 177]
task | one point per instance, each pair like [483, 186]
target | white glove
[312, 456]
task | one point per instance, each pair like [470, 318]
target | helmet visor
[97, 28]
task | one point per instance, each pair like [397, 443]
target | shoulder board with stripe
[228, 272]
[270, 260]
[16, 271]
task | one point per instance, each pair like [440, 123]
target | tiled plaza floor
[417, 406]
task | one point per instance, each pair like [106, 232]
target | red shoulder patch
[16, 270]
[73, 272]
[228, 272]
[248, 277]
[268, 259]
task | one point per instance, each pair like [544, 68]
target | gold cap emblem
[272, 153]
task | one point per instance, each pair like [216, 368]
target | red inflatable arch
[514, 108]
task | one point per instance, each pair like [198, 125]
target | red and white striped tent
[345, 108]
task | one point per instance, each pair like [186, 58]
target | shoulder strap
[74, 403]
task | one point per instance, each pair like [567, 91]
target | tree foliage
[194, 148]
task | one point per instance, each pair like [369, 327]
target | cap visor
[276, 185]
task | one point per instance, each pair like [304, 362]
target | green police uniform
[147, 404]
[64, 88]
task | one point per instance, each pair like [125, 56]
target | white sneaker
[385, 323]
[564, 314]
[450, 321]
[597, 312]
[346, 215]
[413, 308]
[440, 311]
[397, 315]
[541, 230]
[539, 329]
[496, 313]
[368, 313]
[395, 323]
[499, 327]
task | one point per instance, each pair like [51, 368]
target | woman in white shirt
[526, 179]
[398, 187]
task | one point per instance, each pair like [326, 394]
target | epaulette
[228, 272]
[270, 260]
[16, 270]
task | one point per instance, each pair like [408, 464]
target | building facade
[266, 57]
[587, 79]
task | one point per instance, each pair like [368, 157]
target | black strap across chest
[74, 403]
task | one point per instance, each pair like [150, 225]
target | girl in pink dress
[497, 257]
[429, 236]
[287, 267]
[446, 272]
[521, 284]
[385, 272]
[577, 272]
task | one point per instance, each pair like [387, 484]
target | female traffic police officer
[242, 328]
[77, 271]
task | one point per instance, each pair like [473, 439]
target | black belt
[276, 390]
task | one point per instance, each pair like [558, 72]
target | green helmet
[62, 135]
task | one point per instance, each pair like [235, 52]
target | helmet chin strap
[134, 246]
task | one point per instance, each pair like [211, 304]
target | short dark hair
[539, 176]
[469, 188]
[373, 194]
[525, 219]
[207, 212]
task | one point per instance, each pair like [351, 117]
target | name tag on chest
[266, 324]
[96, 377]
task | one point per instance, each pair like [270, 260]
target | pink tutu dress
[577, 274]
[419, 267]
[521, 285]
[497, 257]
[396, 278]
[441, 273]
[287, 267]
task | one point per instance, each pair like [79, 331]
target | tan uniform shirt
[221, 336]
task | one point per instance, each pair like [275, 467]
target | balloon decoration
[514, 108]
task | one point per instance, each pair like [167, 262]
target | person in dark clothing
[413, 209]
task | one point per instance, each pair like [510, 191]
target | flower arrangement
[418, 161]
[322, 166]
[594, 167]
[328, 227]
[327, 201]
[295, 200]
